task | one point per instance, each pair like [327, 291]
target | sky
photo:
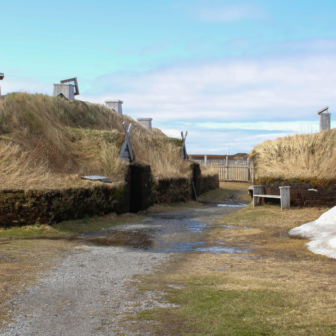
[231, 73]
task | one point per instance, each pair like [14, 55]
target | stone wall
[299, 194]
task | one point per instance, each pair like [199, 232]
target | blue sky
[232, 73]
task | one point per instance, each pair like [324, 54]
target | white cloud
[247, 100]
[287, 89]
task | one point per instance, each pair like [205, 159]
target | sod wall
[138, 192]
[322, 195]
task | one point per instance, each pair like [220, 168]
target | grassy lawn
[67, 229]
[277, 288]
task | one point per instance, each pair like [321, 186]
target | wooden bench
[284, 196]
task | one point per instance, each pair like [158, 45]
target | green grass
[68, 228]
[206, 310]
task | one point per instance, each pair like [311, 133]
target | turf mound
[305, 156]
[48, 142]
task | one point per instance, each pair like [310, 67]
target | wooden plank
[268, 196]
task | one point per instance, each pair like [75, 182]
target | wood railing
[229, 170]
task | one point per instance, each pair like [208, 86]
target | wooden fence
[230, 170]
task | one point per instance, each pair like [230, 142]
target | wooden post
[257, 190]
[126, 153]
[285, 197]
[205, 160]
[184, 154]
[227, 167]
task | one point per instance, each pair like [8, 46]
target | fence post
[248, 170]
[205, 160]
[227, 167]
[253, 174]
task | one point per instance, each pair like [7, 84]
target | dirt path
[89, 293]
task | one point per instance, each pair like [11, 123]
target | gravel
[88, 294]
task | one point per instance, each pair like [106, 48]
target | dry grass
[162, 154]
[236, 190]
[47, 142]
[279, 289]
[298, 156]
[208, 170]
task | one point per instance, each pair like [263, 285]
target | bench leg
[257, 190]
[285, 197]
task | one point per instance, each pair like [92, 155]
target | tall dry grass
[48, 142]
[304, 156]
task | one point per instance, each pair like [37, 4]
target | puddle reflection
[162, 234]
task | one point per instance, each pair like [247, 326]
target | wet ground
[180, 232]
[88, 293]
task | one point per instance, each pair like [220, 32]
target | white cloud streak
[246, 99]
[288, 89]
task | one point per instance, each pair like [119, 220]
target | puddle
[163, 233]
[222, 249]
[225, 204]
[166, 233]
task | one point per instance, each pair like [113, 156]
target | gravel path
[87, 295]
[90, 292]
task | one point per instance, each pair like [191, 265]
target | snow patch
[321, 232]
